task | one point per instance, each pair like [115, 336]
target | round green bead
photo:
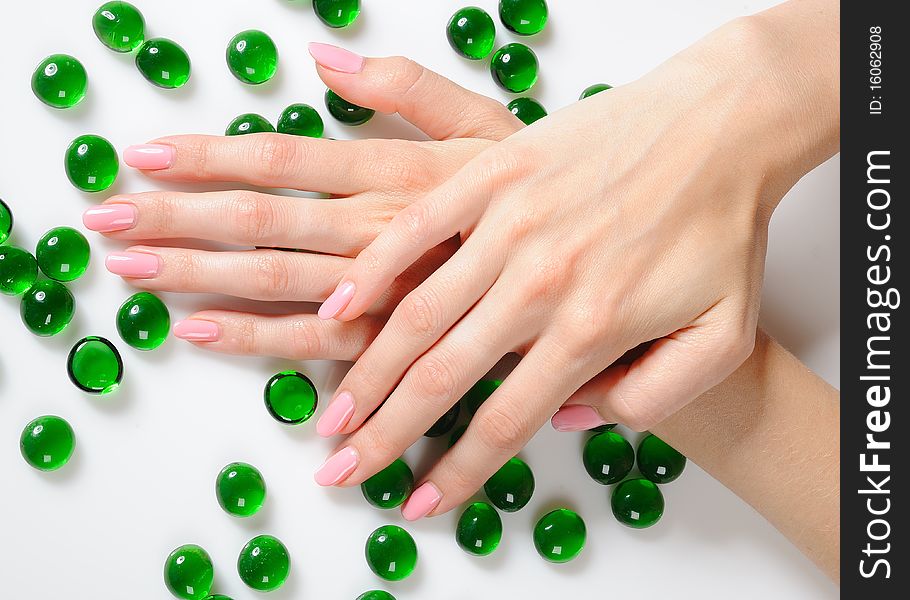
[559, 536]
[594, 89]
[376, 595]
[18, 270]
[527, 109]
[91, 163]
[163, 63]
[264, 563]
[337, 13]
[637, 503]
[471, 32]
[445, 423]
[218, 597]
[60, 81]
[479, 529]
[301, 119]
[249, 123]
[47, 308]
[63, 254]
[389, 487]
[94, 365]
[524, 17]
[608, 457]
[240, 489]
[511, 487]
[514, 68]
[143, 321]
[119, 26]
[602, 428]
[47, 443]
[6, 221]
[456, 434]
[290, 397]
[188, 572]
[252, 56]
[347, 112]
[658, 461]
[391, 553]
[479, 393]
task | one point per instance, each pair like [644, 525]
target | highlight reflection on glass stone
[524, 17]
[143, 321]
[119, 26]
[290, 397]
[163, 63]
[60, 81]
[249, 123]
[63, 254]
[91, 163]
[376, 595]
[6, 221]
[264, 563]
[301, 119]
[658, 461]
[240, 489]
[391, 553]
[527, 109]
[559, 536]
[18, 270]
[47, 443]
[445, 423]
[594, 89]
[389, 487]
[252, 56]
[347, 112]
[511, 487]
[608, 457]
[479, 529]
[188, 572]
[337, 13]
[637, 503]
[471, 32]
[94, 365]
[47, 308]
[514, 68]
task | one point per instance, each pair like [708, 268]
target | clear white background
[141, 480]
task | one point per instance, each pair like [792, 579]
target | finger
[432, 103]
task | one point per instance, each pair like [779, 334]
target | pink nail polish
[106, 218]
[197, 330]
[576, 417]
[149, 157]
[338, 301]
[139, 265]
[336, 416]
[422, 502]
[335, 58]
[337, 468]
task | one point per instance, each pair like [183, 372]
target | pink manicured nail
[139, 265]
[422, 502]
[337, 468]
[197, 330]
[576, 417]
[149, 157]
[338, 301]
[335, 58]
[106, 218]
[336, 416]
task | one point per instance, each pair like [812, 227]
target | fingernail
[337, 468]
[106, 218]
[140, 265]
[422, 502]
[149, 157]
[336, 416]
[197, 330]
[576, 417]
[335, 58]
[338, 301]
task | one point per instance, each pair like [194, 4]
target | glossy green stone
[6, 221]
[264, 563]
[218, 597]
[602, 428]
[524, 17]
[479, 393]
[91, 163]
[511, 487]
[658, 461]
[249, 123]
[637, 503]
[47, 308]
[337, 13]
[479, 529]
[63, 254]
[60, 81]
[347, 112]
[188, 572]
[456, 434]
[47, 443]
[445, 423]
[608, 457]
[559, 536]
[290, 397]
[390, 487]
[471, 32]
[514, 68]
[301, 119]
[143, 321]
[594, 89]
[119, 26]
[376, 595]
[391, 553]
[240, 489]
[252, 56]
[94, 365]
[18, 270]
[527, 109]
[163, 63]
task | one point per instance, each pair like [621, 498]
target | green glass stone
[658, 460]
[511, 487]
[252, 56]
[637, 503]
[391, 553]
[347, 112]
[337, 13]
[290, 397]
[471, 32]
[456, 434]
[479, 529]
[47, 308]
[119, 26]
[376, 595]
[524, 17]
[63, 254]
[6, 221]
[91, 163]
[163, 63]
[479, 393]
[527, 109]
[301, 119]
[218, 597]
[188, 572]
[602, 428]
[594, 89]
[264, 563]
[18, 270]
[240, 489]
[60, 81]
[514, 68]
[445, 423]
[560, 535]
[608, 457]
[94, 365]
[143, 321]
[249, 123]
[390, 487]
[47, 443]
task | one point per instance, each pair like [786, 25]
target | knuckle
[247, 336]
[546, 276]
[407, 75]
[421, 313]
[274, 155]
[382, 448]
[306, 340]
[184, 268]
[254, 216]
[415, 223]
[199, 151]
[160, 208]
[457, 477]
[271, 277]
[629, 413]
[433, 379]
[501, 430]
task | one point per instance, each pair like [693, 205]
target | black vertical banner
[875, 227]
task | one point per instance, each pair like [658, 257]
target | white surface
[141, 481]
